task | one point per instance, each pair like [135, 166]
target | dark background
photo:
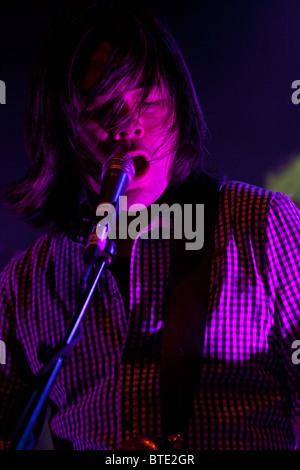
[243, 57]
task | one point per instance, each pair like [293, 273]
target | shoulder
[36, 257]
[241, 201]
[237, 192]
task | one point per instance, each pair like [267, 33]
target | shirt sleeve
[283, 266]
[15, 377]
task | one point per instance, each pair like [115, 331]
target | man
[182, 348]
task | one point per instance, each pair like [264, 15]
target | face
[139, 131]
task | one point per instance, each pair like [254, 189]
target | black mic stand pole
[24, 438]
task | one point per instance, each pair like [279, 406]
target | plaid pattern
[108, 391]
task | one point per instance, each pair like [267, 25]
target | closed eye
[149, 103]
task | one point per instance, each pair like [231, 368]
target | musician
[178, 348]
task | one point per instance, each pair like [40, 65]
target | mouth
[141, 165]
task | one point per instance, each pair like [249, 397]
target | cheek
[161, 168]
[95, 131]
[156, 118]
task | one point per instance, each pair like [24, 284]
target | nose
[129, 131]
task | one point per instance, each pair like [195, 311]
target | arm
[15, 376]
[283, 271]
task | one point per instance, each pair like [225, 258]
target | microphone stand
[24, 438]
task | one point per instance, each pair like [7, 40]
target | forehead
[120, 85]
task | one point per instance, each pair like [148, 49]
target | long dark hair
[51, 189]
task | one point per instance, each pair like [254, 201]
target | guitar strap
[184, 328]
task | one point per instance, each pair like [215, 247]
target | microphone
[117, 174]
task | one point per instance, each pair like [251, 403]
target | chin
[137, 198]
[144, 196]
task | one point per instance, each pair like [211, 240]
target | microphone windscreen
[120, 161]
